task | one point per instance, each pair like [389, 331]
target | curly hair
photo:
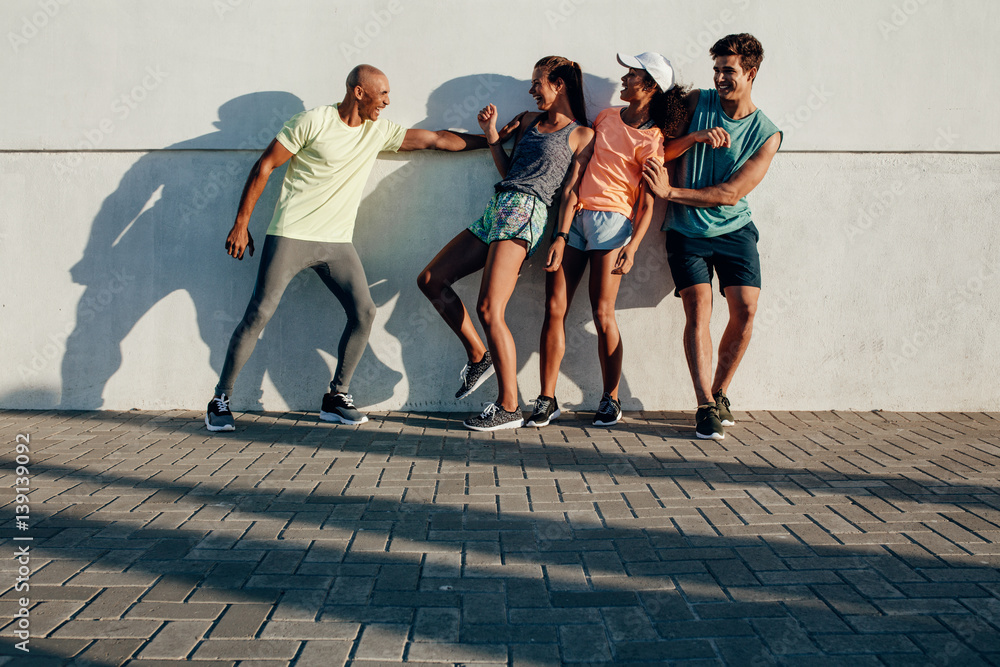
[666, 109]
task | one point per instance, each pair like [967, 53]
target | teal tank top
[702, 166]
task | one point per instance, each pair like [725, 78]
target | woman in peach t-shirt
[603, 222]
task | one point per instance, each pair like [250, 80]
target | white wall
[131, 126]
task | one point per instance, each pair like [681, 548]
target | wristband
[564, 236]
[496, 143]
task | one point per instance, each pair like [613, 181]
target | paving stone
[810, 538]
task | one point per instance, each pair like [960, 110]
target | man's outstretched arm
[442, 140]
[239, 238]
[727, 193]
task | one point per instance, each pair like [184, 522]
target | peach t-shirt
[614, 173]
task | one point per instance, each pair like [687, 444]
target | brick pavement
[801, 539]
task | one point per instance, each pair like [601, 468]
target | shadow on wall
[430, 353]
[159, 232]
[163, 230]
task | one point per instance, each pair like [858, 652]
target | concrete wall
[131, 127]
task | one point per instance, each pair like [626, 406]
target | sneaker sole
[711, 436]
[514, 424]
[216, 429]
[487, 374]
[337, 419]
[728, 422]
[617, 419]
[554, 415]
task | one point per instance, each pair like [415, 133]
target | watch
[564, 235]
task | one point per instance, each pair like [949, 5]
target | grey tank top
[539, 163]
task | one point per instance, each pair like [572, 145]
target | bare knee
[743, 313]
[489, 312]
[604, 318]
[427, 283]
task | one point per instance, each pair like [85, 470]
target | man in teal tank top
[724, 155]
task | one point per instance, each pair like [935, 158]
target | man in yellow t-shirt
[330, 151]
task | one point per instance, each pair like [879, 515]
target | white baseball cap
[658, 67]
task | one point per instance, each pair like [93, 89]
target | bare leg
[697, 300]
[742, 303]
[603, 294]
[463, 255]
[560, 286]
[499, 278]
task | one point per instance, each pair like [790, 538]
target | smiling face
[544, 92]
[635, 88]
[731, 80]
[373, 96]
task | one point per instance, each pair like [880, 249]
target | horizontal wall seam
[255, 151]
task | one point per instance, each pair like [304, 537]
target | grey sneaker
[218, 416]
[340, 408]
[709, 426]
[609, 411]
[722, 402]
[474, 375]
[546, 409]
[495, 418]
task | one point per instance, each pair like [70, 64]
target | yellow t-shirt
[614, 173]
[326, 175]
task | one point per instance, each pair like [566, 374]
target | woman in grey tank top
[545, 162]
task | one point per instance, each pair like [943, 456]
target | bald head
[364, 76]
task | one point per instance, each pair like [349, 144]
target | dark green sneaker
[722, 402]
[709, 426]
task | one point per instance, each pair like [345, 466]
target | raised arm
[442, 140]
[581, 140]
[494, 139]
[727, 193]
[239, 238]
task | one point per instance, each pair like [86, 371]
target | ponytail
[557, 67]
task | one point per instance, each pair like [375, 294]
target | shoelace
[348, 400]
[490, 410]
[605, 404]
[541, 404]
[221, 404]
[464, 373]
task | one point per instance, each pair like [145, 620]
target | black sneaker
[609, 411]
[340, 408]
[474, 375]
[495, 418]
[709, 425]
[218, 417]
[725, 415]
[546, 409]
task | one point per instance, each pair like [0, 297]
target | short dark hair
[744, 45]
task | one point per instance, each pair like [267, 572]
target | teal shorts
[512, 215]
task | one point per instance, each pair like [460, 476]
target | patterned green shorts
[512, 215]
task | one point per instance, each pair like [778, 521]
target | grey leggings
[339, 267]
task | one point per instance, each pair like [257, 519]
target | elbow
[730, 197]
